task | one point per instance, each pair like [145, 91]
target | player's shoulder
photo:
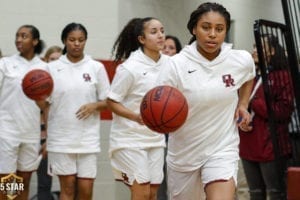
[10, 59]
[90, 62]
[131, 65]
[241, 54]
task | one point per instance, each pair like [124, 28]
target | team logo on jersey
[228, 80]
[125, 177]
[86, 77]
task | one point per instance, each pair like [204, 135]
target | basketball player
[137, 153]
[172, 45]
[80, 89]
[217, 82]
[20, 116]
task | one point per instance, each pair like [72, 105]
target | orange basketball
[37, 84]
[164, 109]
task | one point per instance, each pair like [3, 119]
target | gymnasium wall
[104, 19]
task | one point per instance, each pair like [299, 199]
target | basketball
[37, 84]
[164, 109]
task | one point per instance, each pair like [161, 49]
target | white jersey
[211, 89]
[75, 84]
[19, 115]
[133, 79]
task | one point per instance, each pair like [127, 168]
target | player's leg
[26, 181]
[219, 175]
[85, 188]
[220, 190]
[64, 166]
[86, 174]
[153, 191]
[132, 167]
[28, 161]
[67, 186]
[140, 191]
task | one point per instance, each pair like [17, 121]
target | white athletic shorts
[18, 156]
[186, 185]
[84, 165]
[141, 165]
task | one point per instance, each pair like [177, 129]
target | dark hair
[69, 28]
[35, 35]
[127, 40]
[278, 60]
[204, 8]
[176, 41]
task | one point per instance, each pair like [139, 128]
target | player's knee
[68, 190]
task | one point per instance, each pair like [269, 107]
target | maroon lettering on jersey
[228, 80]
[125, 177]
[86, 77]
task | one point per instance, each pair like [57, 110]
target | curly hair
[127, 40]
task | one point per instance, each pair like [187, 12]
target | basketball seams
[37, 84]
[174, 117]
[156, 125]
[165, 105]
[178, 112]
[144, 117]
[164, 109]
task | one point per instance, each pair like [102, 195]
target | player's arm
[244, 94]
[44, 106]
[242, 114]
[122, 111]
[87, 109]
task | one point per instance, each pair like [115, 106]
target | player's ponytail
[127, 40]
[35, 35]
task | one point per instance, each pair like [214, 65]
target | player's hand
[85, 111]
[139, 119]
[243, 119]
[246, 127]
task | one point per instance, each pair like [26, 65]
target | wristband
[43, 141]
[43, 127]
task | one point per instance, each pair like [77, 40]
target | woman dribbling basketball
[217, 82]
[136, 152]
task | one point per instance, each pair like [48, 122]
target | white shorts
[84, 165]
[186, 185]
[140, 165]
[18, 156]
